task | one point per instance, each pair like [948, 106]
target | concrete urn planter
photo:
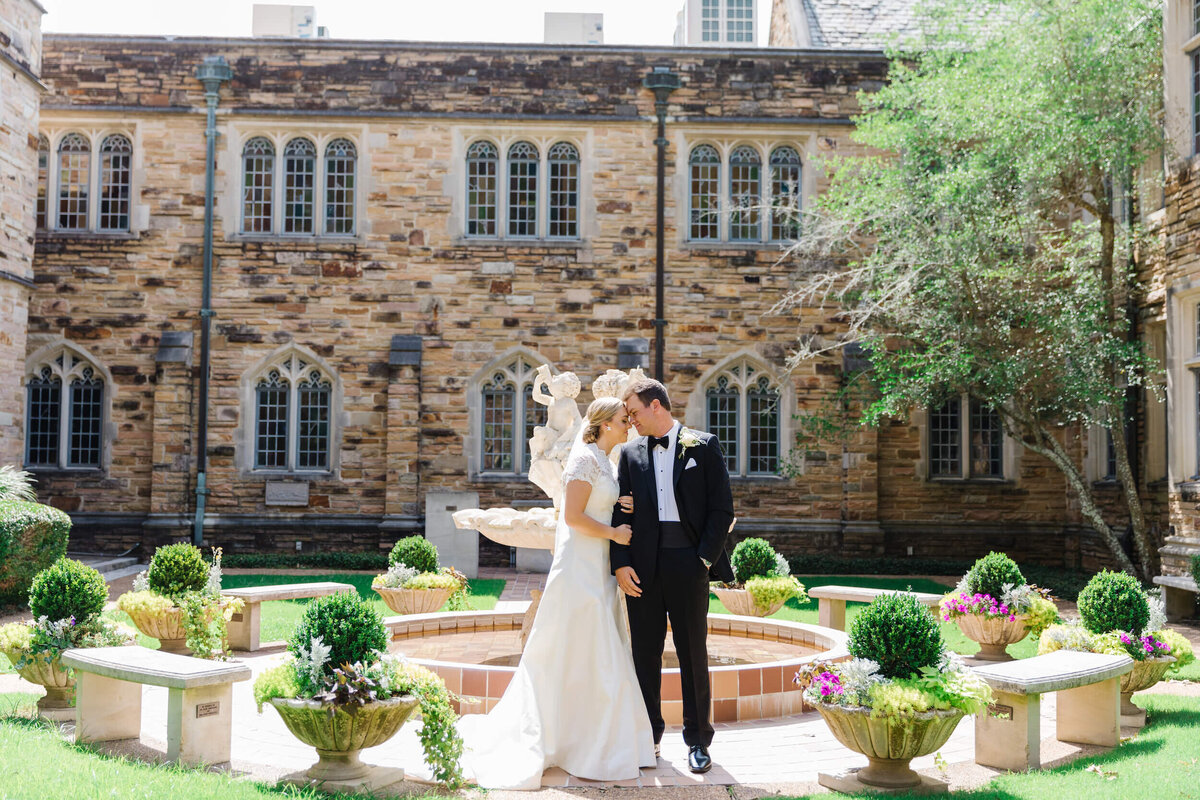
[1143, 675]
[741, 602]
[167, 626]
[993, 634]
[339, 736]
[414, 601]
[50, 674]
[889, 743]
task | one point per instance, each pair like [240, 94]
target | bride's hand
[622, 534]
[626, 503]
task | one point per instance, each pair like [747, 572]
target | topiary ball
[177, 568]
[349, 626]
[989, 574]
[753, 558]
[416, 552]
[897, 633]
[1196, 568]
[1114, 601]
[68, 588]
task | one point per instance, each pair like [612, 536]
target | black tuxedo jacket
[701, 493]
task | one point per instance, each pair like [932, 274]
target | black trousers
[677, 592]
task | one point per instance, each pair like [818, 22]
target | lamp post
[662, 81]
[212, 73]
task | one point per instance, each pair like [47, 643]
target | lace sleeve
[582, 467]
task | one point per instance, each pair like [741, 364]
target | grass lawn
[279, 617]
[1160, 763]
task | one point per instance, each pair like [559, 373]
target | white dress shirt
[664, 474]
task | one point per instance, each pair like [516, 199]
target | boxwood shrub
[68, 588]
[177, 568]
[32, 537]
[899, 634]
[989, 574]
[349, 626]
[1114, 601]
[416, 552]
[1196, 568]
[753, 558]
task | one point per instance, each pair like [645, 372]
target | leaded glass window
[116, 170]
[723, 419]
[509, 415]
[563, 163]
[64, 413]
[710, 21]
[1196, 102]
[1195, 17]
[43, 178]
[987, 442]
[743, 413]
[522, 190]
[704, 193]
[74, 168]
[482, 162]
[945, 440]
[785, 194]
[299, 178]
[745, 191]
[739, 21]
[258, 185]
[293, 417]
[341, 164]
[1110, 457]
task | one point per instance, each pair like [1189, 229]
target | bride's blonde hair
[599, 412]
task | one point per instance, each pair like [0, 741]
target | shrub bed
[32, 537]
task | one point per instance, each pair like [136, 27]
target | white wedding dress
[574, 701]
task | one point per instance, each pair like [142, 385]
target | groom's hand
[629, 582]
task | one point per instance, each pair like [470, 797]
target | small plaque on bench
[208, 709]
[236, 617]
[286, 493]
[1000, 712]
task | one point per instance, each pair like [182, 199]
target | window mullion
[743, 431]
[64, 423]
[293, 412]
[724, 221]
[518, 428]
[964, 436]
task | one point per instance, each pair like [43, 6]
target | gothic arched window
[785, 194]
[299, 179]
[482, 163]
[43, 180]
[509, 415]
[258, 183]
[64, 412]
[742, 410]
[522, 190]
[704, 193]
[563, 165]
[745, 194]
[341, 166]
[116, 171]
[292, 417]
[74, 170]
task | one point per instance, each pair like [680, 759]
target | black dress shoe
[698, 759]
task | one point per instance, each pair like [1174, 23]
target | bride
[574, 701]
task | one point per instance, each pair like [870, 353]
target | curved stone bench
[108, 698]
[1008, 734]
[831, 608]
[244, 628]
[1179, 596]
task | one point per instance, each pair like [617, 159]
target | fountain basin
[753, 660]
[533, 528]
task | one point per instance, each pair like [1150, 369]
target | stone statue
[551, 443]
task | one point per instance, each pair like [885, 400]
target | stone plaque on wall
[286, 493]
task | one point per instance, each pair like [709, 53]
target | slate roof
[855, 24]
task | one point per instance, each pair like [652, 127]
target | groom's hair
[647, 389]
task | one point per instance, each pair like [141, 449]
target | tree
[986, 247]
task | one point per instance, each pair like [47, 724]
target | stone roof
[854, 24]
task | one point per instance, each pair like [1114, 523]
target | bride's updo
[599, 412]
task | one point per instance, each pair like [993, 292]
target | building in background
[285, 21]
[573, 28]
[716, 23]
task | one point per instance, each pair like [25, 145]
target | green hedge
[342, 561]
[1064, 583]
[32, 537]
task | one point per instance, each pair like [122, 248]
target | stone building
[402, 233]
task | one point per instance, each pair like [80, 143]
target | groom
[682, 512]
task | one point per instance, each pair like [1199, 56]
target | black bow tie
[660, 441]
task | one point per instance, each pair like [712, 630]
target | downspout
[212, 73]
[662, 82]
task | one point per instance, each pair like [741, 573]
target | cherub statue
[551, 443]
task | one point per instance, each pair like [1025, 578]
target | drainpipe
[212, 73]
[662, 82]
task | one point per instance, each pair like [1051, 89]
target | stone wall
[20, 88]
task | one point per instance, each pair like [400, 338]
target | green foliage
[351, 629]
[897, 633]
[66, 589]
[204, 622]
[1114, 601]
[176, 569]
[416, 552]
[14, 637]
[769, 591]
[16, 484]
[275, 682]
[433, 580]
[989, 575]
[753, 558]
[1180, 647]
[335, 561]
[32, 537]
[1041, 614]
[1196, 568]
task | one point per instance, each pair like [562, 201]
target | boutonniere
[687, 438]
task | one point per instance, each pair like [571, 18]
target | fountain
[751, 659]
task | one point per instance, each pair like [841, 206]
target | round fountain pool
[752, 660]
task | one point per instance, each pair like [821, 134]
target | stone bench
[1008, 734]
[831, 608]
[1179, 596]
[108, 698]
[243, 628]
